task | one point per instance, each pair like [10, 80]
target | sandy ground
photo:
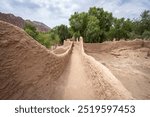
[130, 66]
[73, 83]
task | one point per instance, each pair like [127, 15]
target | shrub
[146, 34]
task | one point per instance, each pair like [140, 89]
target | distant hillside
[10, 18]
[41, 27]
[20, 22]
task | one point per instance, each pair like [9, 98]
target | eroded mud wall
[106, 86]
[27, 69]
[108, 46]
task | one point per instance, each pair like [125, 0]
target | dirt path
[74, 83]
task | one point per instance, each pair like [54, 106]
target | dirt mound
[27, 69]
[128, 61]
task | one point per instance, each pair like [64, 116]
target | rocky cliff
[10, 18]
[20, 22]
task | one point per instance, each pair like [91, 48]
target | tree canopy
[98, 25]
[95, 26]
[63, 32]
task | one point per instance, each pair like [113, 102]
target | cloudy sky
[56, 12]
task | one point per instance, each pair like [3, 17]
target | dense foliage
[98, 25]
[31, 30]
[94, 26]
[47, 39]
[63, 32]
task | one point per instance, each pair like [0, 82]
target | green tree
[121, 28]
[141, 27]
[78, 23]
[93, 30]
[48, 39]
[105, 21]
[146, 34]
[145, 20]
[63, 32]
[31, 30]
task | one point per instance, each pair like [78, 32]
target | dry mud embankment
[109, 46]
[27, 69]
[106, 85]
[129, 61]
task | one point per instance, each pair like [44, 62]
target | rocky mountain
[10, 18]
[41, 27]
[20, 22]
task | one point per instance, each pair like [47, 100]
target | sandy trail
[74, 83]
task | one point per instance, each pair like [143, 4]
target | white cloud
[128, 9]
[56, 12]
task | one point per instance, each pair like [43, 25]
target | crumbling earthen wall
[108, 46]
[104, 82]
[27, 69]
